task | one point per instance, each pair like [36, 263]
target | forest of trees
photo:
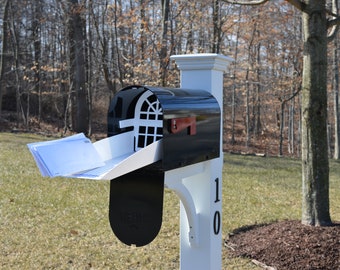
[65, 59]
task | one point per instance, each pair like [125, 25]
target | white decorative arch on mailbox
[149, 125]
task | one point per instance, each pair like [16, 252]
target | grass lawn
[63, 223]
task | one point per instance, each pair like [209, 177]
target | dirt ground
[288, 245]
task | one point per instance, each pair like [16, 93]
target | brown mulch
[288, 245]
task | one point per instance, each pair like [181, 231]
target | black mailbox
[187, 121]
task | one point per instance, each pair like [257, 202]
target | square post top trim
[204, 61]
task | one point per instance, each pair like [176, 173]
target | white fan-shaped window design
[148, 120]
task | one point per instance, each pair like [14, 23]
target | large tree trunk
[315, 167]
[77, 61]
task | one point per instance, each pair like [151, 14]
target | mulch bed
[288, 245]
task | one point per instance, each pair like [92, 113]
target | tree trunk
[216, 27]
[282, 123]
[143, 29]
[258, 87]
[291, 128]
[4, 50]
[89, 63]
[233, 95]
[163, 57]
[77, 60]
[282, 120]
[104, 45]
[247, 116]
[36, 29]
[336, 101]
[315, 166]
[16, 49]
[118, 31]
[249, 126]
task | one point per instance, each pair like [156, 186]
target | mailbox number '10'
[217, 215]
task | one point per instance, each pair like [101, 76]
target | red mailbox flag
[178, 124]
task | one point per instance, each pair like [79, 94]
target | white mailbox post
[199, 186]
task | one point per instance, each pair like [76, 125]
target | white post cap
[202, 61]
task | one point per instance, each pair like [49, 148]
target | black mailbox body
[188, 122]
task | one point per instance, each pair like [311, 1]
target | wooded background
[63, 60]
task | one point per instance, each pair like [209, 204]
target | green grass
[63, 223]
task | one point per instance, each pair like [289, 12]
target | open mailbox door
[187, 125]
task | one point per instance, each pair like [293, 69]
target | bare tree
[315, 165]
[102, 36]
[15, 44]
[77, 66]
[217, 31]
[129, 42]
[283, 102]
[36, 29]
